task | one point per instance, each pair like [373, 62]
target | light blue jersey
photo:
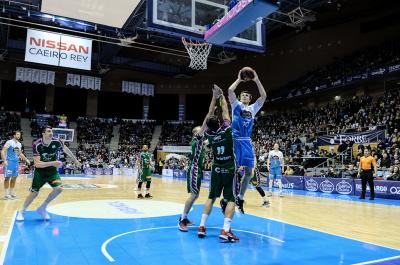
[275, 159]
[13, 150]
[242, 129]
[243, 118]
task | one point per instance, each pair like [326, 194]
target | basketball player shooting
[243, 114]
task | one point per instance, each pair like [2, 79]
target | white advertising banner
[177, 149]
[58, 49]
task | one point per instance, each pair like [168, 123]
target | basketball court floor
[98, 220]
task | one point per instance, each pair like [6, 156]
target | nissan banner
[58, 49]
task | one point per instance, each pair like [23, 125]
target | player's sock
[6, 192]
[183, 216]
[203, 219]
[43, 205]
[227, 224]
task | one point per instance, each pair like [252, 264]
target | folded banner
[34, 76]
[138, 88]
[357, 138]
[83, 81]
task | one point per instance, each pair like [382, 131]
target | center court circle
[116, 209]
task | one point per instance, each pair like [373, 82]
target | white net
[198, 53]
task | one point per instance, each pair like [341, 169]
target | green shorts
[144, 177]
[194, 177]
[39, 180]
[222, 180]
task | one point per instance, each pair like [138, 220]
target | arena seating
[9, 121]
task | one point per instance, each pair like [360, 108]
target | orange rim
[190, 43]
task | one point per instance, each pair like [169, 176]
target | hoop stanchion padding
[238, 19]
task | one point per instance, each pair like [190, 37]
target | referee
[367, 172]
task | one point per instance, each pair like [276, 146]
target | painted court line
[314, 229]
[378, 260]
[7, 239]
[111, 259]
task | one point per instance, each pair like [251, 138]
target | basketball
[246, 73]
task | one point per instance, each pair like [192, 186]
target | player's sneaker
[182, 225]
[42, 211]
[140, 196]
[223, 204]
[281, 194]
[13, 196]
[228, 236]
[7, 197]
[148, 196]
[240, 205]
[189, 223]
[269, 194]
[20, 216]
[201, 232]
[265, 204]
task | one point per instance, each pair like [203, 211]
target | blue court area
[71, 240]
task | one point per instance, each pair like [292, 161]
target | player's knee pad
[148, 183]
[140, 185]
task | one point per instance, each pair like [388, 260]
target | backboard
[66, 135]
[189, 18]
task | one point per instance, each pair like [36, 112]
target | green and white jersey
[198, 151]
[48, 153]
[222, 145]
[145, 160]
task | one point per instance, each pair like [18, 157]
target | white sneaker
[12, 195]
[7, 197]
[269, 194]
[281, 194]
[42, 211]
[20, 216]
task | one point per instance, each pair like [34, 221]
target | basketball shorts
[244, 153]
[39, 180]
[194, 175]
[275, 173]
[222, 182]
[145, 176]
[11, 170]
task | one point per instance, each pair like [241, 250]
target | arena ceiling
[124, 19]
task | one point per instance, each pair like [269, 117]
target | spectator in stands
[385, 161]
[395, 175]
[289, 171]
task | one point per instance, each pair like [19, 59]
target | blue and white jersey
[275, 159]
[13, 150]
[243, 117]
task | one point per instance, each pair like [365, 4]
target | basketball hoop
[198, 53]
